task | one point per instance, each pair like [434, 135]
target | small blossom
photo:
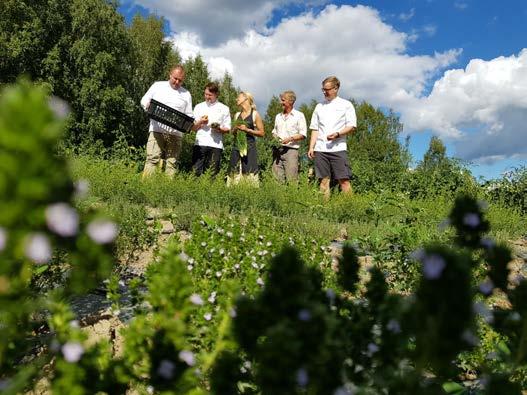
[191, 261]
[72, 351]
[207, 316]
[74, 324]
[190, 267]
[372, 349]
[166, 369]
[433, 266]
[212, 297]
[237, 266]
[304, 315]
[268, 244]
[59, 107]
[232, 312]
[218, 274]
[229, 234]
[302, 378]
[203, 244]
[393, 326]
[331, 295]
[488, 243]
[482, 310]
[259, 281]
[242, 239]
[38, 248]
[222, 251]
[3, 238]
[196, 299]
[150, 389]
[472, 220]
[184, 257]
[260, 237]
[187, 357]
[102, 231]
[82, 187]
[486, 287]
[220, 231]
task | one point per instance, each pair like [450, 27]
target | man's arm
[312, 141]
[145, 100]
[341, 133]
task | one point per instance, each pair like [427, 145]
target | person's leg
[324, 187]
[153, 154]
[198, 160]
[323, 172]
[278, 166]
[216, 160]
[290, 163]
[345, 186]
[341, 170]
[173, 149]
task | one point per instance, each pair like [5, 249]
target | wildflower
[191, 261]
[102, 231]
[302, 378]
[268, 244]
[220, 231]
[232, 312]
[196, 299]
[150, 389]
[3, 238]
[59, 107]
[260, 237]
[255, 265]
[372, 349]
[472, 220]
[259, 281]
[212, 297]
[72, 351]
[229, 235]
[237, 266]
[484, 312]
[74, 324]
[393, 326]
[190, 267]
[242, 239]
[331, 295]
[203, 244]
[222, 251]
[218, 274]
[486, 287]
[82, 187]
[433, 266]
[184, 257]
[488, 243]
[38, 248]
[166, 369]
[304, 315]
[207, 316]
[187, 357]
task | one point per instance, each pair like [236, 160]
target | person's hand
[333, 136]
[311, 153]
[243, 128]
[204, 120]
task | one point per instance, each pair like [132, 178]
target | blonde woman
[252, 127]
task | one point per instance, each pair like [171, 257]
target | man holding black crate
[165, 141]
[214, 121]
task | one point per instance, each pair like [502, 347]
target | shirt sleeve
[145, 100]
[188, 106]
[302, 125]
[226, 123]
[351, 117]
[274, 131]
[314, 119]
[196, 111]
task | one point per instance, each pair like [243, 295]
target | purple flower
[59, 107]
[304, 315]
[433, 266]
[3, 238]
[302, 378]
[102, 231]
[62, 219]
[488, 243]
[472, 220]
[38, 248]
[486, 287]
[72, 351]
[393, 326]
[196, 299]
[187, 357]
[166, 369]
[372, 349]
[207, 316]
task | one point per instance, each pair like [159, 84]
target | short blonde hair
[288, 95]
[250, 97]
[333, 80]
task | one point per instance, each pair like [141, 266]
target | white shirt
[217, 113]
[331, 117]
[178, 99]
[287, 125]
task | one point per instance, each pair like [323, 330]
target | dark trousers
[205, 157]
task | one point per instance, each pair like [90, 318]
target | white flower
[302, 378]
[433, 266]
[184, 257]
[82, 187]
[190, 267]
[59, 107]
[304, 315]
[203, 244]
[72, 351]
[222, 251]
[261, 237]
[472, 220]
[237, 266]
[229, 234]
[102, 231]
[393, 326]
[207, 316]
[187, 357]
[212, 297]
[259, 281]
[196, 299]
[3, 238]
[166, 369]
[268, 244]
[74, 324]
[150, 389]
[255, 265]
[218, 274]
[38, 248]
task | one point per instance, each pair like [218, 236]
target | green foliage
[510, 190]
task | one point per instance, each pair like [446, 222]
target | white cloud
[460, 5]
[217, 21]
[405, 17]
[483, 106]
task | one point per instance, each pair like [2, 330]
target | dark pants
[205, 157]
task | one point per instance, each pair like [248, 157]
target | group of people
[332, 120]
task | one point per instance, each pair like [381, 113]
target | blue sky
[452, 68]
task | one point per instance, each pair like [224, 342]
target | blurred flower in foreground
[72, 351]
[102, 231]
[196, 299]
[302, 378]
[187, 357]
[3, 238]
[166, 369]
[62, 219]
[38, 248]
[433, 266]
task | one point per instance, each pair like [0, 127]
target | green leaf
[452, 387]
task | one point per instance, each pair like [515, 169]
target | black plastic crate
[169, 116]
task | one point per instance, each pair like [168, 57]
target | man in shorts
[331, 122]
